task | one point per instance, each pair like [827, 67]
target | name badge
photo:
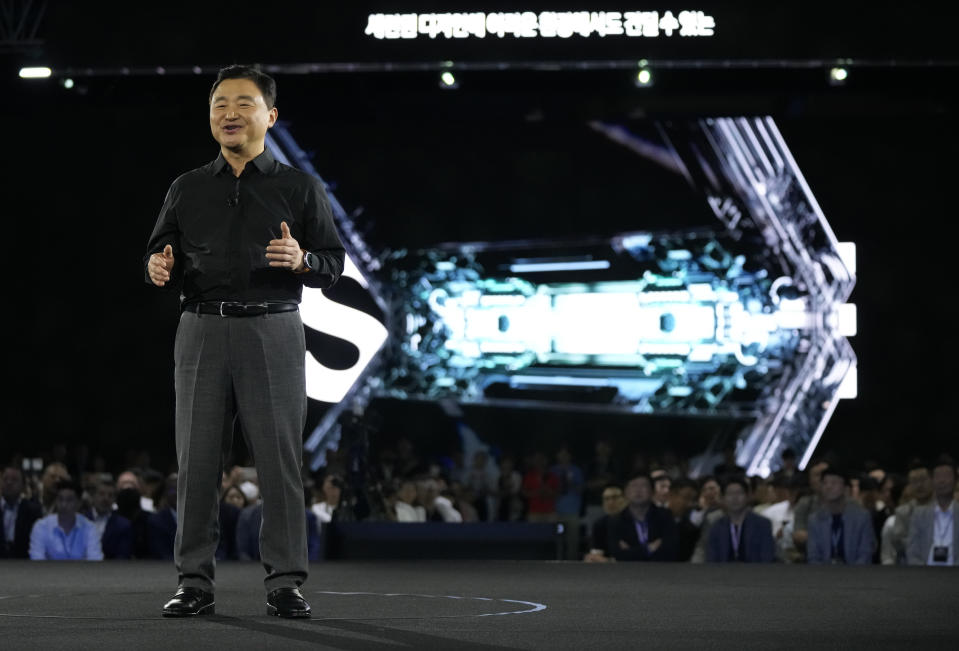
[940, 554]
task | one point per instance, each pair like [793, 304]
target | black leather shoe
[287, 602]
[188, 602]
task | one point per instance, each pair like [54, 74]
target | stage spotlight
[67, 83]
[838, 76]
[644, 78]
[35, 73]
[448, 80]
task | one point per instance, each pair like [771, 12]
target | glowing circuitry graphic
[745, 319]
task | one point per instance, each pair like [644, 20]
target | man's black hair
[68, 485]
[944, 460]
[263, 81]
[736, 479]
[639, 475]
[788, 453]
[834, 470]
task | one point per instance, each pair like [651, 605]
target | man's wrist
[303, 267]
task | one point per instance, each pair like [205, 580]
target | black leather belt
[232, 308]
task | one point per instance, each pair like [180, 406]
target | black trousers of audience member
[251, 368]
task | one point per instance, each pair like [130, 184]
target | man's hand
[653, 546]
[285, 252]
[160, 266]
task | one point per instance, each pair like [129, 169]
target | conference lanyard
[735, 533]
[642, 531]
[942, 528]
[836, 539]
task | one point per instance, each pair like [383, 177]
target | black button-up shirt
[219, 226]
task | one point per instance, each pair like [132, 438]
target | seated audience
[540, 488]
[115, 531]
[19, 514]
[662, 485]
[407, 510]
[509, 493]
[643, 531]
[613, 504]
[130, 480]
[918, 492]
[840, 531]
[65, 535]
[569, 500]
[53, 474]
[248, 526]
[161, 526]
[933, 532]
[682, 497]
[331, 493]
[740, 535]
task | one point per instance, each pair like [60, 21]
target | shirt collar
[264, 163]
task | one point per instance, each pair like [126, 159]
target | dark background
[89, 354]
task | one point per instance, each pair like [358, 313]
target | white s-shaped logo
[358, 328]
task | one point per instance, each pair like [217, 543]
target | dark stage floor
[489, 605]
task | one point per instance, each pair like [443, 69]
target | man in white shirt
[933, 531]
[405, 497]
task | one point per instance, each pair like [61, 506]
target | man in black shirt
[239, 237]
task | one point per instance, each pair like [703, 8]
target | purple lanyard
[642, 532]
[735, 533]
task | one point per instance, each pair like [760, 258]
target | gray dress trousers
[251, 368]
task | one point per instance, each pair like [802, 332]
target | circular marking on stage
[535, 607]
[70, 606]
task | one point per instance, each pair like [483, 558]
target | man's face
[734, 498]
[710, 493]
[52, 474]
[661, 489]
[331, 491]
[944, 481]
[919, 484]
[12, 484]
[613, 501]
[407, 492]
[127, 480]
[104, 497]
[67, 502]
[833, 488]
[239, 116]
[815, 476]
[638, 491]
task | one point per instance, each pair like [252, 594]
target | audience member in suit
[740, 535]
[19, 514]
[65, 534]
[229, 515]
[933, 531]
[128, 506]
[248, 534]
[840, 531]
[643, 531]
[161, 526]
[613, 504]
[115, 531]
[682, 497]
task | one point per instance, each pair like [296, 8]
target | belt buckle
[242, 309]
